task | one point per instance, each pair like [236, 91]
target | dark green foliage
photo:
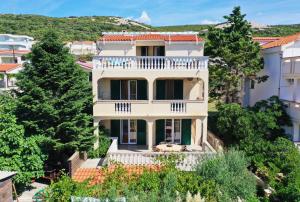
[104, 144]
[77, 28]
[264, 120]
[233, 57]
[17, 152]
[55, 99]
[229, 172]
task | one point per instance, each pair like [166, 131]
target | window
[129, 131]
[173, 131]
[290, 82]
[132, 89]
[252, 84]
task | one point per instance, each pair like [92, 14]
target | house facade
[282, 65]
[151, 88]
[82, 47]
[15, 42]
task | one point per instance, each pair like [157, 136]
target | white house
[7, 76]
[151, 88]
[282, 65]
[15, 42]
[82, 47]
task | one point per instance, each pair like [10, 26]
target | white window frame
[173, 130]
[128, 130]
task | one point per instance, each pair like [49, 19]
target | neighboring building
[6, 191]
[7, 76]
[15, 42]
[282, 65]
[82, 47]
[150, 88]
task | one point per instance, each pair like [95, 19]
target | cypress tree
[55, 99]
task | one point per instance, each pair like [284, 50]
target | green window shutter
[115, 89]
[115, 129]
[186, 131]
[141, 132]
[178, 89]
[160, 130]
[141, 89]
[160, 89]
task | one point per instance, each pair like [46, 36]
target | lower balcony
[145, 108]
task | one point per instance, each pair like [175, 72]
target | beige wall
[133, 48]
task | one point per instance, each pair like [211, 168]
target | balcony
[145, 108]
[150, 63]
[291, 68]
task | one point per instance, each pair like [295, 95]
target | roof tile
[149, 37]
[282, 41]
[8, 67]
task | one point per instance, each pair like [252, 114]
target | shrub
[229, 172]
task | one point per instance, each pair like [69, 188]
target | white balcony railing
[150, 63]
[123, 107]
[155, 108]
[178, 106]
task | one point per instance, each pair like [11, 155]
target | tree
[230, 173]
[17, 152]
[234, 57]
[55, 99]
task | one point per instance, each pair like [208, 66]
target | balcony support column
[150, 89]
[5, 79]
[96, 131]
[295, 89]
[204, 129]
[150, 134]
[296, 131]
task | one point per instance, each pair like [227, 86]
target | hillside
[70, 28]
[89, 28]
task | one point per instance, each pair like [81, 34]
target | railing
[188, 162]
[291, 67]
[178, 106]
[150, 63]
[123, 107]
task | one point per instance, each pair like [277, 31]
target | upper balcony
[167, 63]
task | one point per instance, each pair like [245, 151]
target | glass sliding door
[129, 131]
[173, 131]
[132, 90]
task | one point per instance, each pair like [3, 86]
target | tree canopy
[55, 99]
[17, 152]
[233, 57]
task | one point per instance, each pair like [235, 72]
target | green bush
[229, 172]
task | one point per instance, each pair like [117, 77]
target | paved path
[27, 195]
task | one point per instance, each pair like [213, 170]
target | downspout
[280, 71]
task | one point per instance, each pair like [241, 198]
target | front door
[173, 131]
[129, 131]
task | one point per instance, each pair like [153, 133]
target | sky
[162, 12]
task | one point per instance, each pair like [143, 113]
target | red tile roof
[282, 41]
[264, 40]
[15, 51]
[87, 65]
[149, 37]
[8, 67]
[97, 175]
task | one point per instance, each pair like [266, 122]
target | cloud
[209, 22]
[144, 18]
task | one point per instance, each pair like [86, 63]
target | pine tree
[55, 99]
[234, 57]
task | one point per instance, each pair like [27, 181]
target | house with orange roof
[282, 66]
[151, 93]
[7, 75]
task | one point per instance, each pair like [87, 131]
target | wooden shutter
[142, 90]
[115, 89]
[160, 89]
[186, 131]
[178, 89]
[141, 132]
[115, 129]
[160, 130]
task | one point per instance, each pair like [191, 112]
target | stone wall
[6, 191]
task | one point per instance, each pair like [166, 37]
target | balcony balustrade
[150, 63]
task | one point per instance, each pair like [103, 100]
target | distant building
[82, 47]
[282, 65]
[12, 51]
[15, 42]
